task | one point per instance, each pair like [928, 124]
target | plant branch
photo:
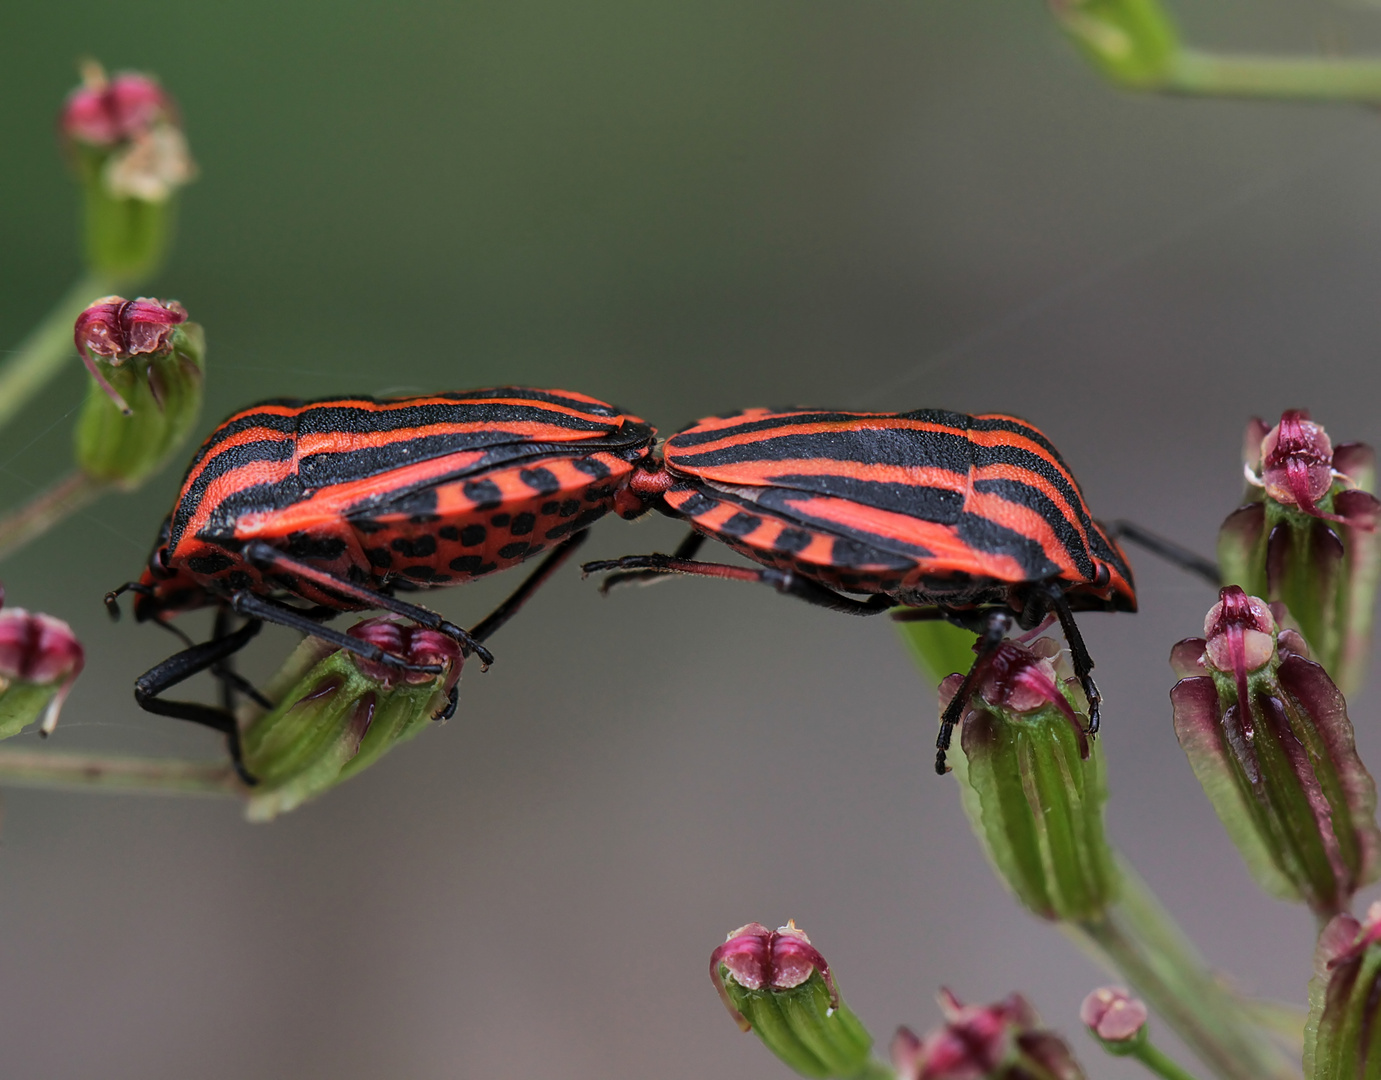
[46, 509]
[49, 345]
[1138, 939]
[1217, 75]
[113, 773]
[1160, 1064]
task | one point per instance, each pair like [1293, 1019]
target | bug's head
[1114, 573]
[645, 487]
[161, 589]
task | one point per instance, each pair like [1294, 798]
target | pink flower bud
[1240, 632]
[413, 643]
[1297, 461]
[1113, 1015]
[39, 650]
[761, 959]
[119, 330]
[105, 111]
[984, 1042]
[1020, 679]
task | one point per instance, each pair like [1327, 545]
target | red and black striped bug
[974, 519]
[294, 511]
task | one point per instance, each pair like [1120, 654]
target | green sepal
[1342, 1040]
[799, 1027]
[23, 703]
[1037, 807]
[331, 722]
[1131, 42]
[125, 450]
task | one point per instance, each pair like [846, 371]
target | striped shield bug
[293, 511]
[973, 519]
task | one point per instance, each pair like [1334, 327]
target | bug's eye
[161, 557]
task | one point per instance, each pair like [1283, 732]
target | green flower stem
[1211, 74]
[114, 774]
[1159, 1063]
[46, 509]
[49, 345]
[1138, 939]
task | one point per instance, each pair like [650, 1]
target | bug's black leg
[1168, 550]
[257, 608]
[184, 665]
[530, 585]
[784, 581]
[686, 549]
[265, 556]
[231, 681]
[1078, 654]
[997, 623]
[451, 699]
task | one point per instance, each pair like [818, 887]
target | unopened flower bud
[984, 1042]
[146, 363]
[775, 983]
[40, 659]
[1307, 538]
[1342, 1039]
[338, 713]
[1130, 41]
[1033, 782]
[1115, 1018]
[130, 153]
[1268, 736]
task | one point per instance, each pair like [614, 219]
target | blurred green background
[685, 209]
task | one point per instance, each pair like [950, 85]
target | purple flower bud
[416, 644]
[121, 329]
[146, 360]
[40, 659]
[1112, 1014]
[1342, 1038]
[1268, 736]
[1307, 537]
[984, 1042]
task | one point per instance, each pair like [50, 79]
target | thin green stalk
[1138, 939]
[46, 509]
[1289, 79]
[49, 345]
[115, 774]
[1159, 1063]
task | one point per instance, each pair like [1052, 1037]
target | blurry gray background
[682, 208]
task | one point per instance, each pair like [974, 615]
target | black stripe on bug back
[901, 447]
[326, 415]
[911, 448]
[327, 418]
[260, 496]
